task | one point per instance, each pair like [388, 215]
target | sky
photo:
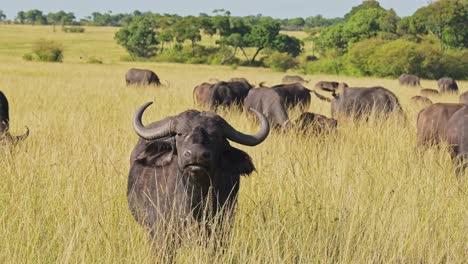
[274, 8]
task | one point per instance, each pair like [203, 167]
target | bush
[280, 61]
[326, 66]
[73, 29]
[45, 50]
[392, 58]
[360, 53]
[29, 57]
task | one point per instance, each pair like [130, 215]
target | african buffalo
[325, 85]
[421, 100]
[315, 123]
[447, 84]
[361, 102]
[432, 122]
[409, 79]
[183, 170]
[457, 138]
[270, 103]
[239, 79]
[464, 98]
[294, 94]
[287, 79]
[5, 135]
[202, 93]
[141, 77]
[228, 93]
[429, 92]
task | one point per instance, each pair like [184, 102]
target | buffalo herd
[184, 171]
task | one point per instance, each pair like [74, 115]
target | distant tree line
[37, 17]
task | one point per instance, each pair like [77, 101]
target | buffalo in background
[228, 93]
[315, 123]
[432, 122]
[421, 100]
[141, 77]
[457, 139]
[447, 85]
[5, 135]
[294, 94]
[271, 104]
[429, 92]
[409, 80]
[361, 102]
[202, 93]
[326, 85]
[183, 170]
[287, 79]
[464, 98]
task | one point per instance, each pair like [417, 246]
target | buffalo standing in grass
[202, 93]
[315, 123]
[464, 98]
[447, 85]
[287, 79]
[421, 100]
[228, 93]
[409, 80]
[5, 135]
[270, 103]
[141, 77]
[183, 169]
[432, 122]
[361, 102]
[294, 94]
[326, 85]
[429, 92]
[457, 138]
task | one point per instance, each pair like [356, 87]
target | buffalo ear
[156, 154]
[237, 161]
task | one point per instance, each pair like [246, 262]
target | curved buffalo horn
[163, 128]
[249, 140]
[24, 136]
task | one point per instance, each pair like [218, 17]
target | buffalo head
[199, 139]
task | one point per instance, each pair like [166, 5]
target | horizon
[280, 9]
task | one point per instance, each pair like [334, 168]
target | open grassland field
[365, 194]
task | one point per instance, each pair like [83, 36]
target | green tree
[389, 22]
[332, 38]
[21, 17]
[446, 19]
[262, 36]
[35, 16]
[287, 44]
[363, 25]
[366, 4]
[2, 15]
[140, 38]
[165, 36]
[61, 17]
[187, 28]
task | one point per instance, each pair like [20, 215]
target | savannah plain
[365, 194]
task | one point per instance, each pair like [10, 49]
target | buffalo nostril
[187, 153]
[206, 155]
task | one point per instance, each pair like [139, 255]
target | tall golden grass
[364, 194]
